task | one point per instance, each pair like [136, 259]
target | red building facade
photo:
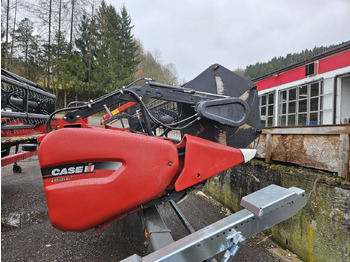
[315, 91]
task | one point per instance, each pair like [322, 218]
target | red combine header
[94, 175]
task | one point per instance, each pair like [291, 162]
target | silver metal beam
[277, 204]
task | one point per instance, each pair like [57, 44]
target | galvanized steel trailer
[263, 209]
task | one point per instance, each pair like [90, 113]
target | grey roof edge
[334, 50]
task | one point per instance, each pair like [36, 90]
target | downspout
[335, 100]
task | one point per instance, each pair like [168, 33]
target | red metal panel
[334, 62]
[10, 159]
[283, 78]
[41, 129]
[82, 200]
[118, 110]
[324, 65]
[204, 159]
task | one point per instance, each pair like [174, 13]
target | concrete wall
[320, 231]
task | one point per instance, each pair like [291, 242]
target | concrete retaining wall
[320, 231]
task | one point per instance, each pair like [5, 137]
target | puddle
[19, 219]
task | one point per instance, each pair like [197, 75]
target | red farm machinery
[156, 143]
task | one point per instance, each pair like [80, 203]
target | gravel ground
[27, 234]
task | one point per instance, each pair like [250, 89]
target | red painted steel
[87, 200]
[93, 176]
[40, 129]
[10, 159]
[203, 159]
[118, 110]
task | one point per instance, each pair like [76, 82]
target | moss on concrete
[320, 231]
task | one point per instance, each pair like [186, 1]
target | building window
[311, 69]
[302, 105]
[267, 109]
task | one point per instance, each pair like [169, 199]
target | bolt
[170, 163]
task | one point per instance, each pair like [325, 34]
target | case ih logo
[73, 170]
[78, 168]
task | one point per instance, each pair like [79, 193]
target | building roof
[334, 50]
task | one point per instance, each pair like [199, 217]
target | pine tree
[86, 43]
[83, 40]
[116, 52]
[105, 72]
[26, 46]
[259, 69]
[128, 46]
[69, 69]
[73, 73]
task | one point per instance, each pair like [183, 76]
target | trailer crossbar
[277, 203]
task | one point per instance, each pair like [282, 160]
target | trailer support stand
[157, 233]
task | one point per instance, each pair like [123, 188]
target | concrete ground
[27, 234]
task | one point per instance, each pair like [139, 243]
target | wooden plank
[309, 130]
[317, 151]
[268, 145]
[9, 141]
[343, 156]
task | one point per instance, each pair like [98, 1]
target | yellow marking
[114, 112]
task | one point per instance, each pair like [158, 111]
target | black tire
[16, 169]
[29, 147]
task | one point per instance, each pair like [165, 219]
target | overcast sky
[195, 34]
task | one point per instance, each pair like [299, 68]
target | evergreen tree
[73, 73]
[128, 46]
[69, 69]
[3, 46]
[107, 63]
[86, 43]
[84, 39]
[36, 70]
[116, 49]
[27, 49]
[259, 69]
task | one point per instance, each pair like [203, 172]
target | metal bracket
[239, 241]
[107, 110]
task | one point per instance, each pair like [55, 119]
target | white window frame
[267, 117]
[289, 109]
